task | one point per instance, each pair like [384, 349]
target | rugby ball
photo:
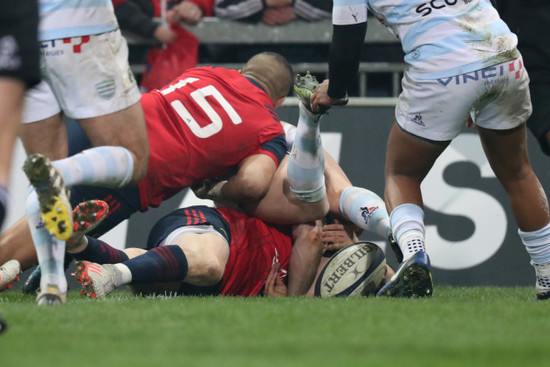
[355, 270]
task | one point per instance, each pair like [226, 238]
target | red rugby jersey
[201, 126]
[254, 246]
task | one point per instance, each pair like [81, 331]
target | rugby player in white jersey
[462, 64]
[86, 76]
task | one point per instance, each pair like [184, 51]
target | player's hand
[335, 237]
[320, 101]
[188, 12]
[278, 15]
[165, 35]
[274, 285]
[208, 189]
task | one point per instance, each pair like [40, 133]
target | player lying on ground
[227, 253]
[189, 124]
[335, 236]
[359, 205]
[201, 246]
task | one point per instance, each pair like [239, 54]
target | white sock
[366, 210]
[123, 274]
[49, 250]
[103, 166]
[307, 161]
[537, 244]
[407, 223]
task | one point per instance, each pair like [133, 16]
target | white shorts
[496, 98]
[84, 77]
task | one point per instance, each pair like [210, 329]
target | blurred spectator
[273, 12]
[143, 18]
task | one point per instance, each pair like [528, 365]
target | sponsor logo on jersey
[488, 75]
[428, 7]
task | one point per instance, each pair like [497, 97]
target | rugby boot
[97, 280]
[543, 281]
[86, 217]
[51, 296]
[52, 194]
[9, 273]
[304, 87]
[412, 280]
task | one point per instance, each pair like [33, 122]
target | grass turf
[478, 326]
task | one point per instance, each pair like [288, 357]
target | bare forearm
[304, 259]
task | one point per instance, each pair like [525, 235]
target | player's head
[273, 72]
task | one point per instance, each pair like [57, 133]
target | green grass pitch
[478, 326]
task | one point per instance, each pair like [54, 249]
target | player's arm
[251, 181]
[344, 57]
[305, 257]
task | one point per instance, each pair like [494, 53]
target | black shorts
[19, 47]
[190, 216]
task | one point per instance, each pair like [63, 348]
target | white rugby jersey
[440, 38]
[72, 18]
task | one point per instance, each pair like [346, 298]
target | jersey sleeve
[275, 148]
[349, 19]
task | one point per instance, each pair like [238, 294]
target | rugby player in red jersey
[209, 122]
[202, 250]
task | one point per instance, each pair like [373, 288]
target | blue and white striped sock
[366, 210]
[49, 250]
[307, 161]
[102, 166]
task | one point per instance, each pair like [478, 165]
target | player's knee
[141, 162]
[211, 272]
[511, 175]
[310, 233]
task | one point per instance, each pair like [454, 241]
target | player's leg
[196, 254]
[196, 259]
[408, 161]
[297, 192]
[503, 134]
[104, 99]
[362, 207]
[104, 131]
[101, 85]
[307, 161]
[47, 136]
[51, 256]
[507, 154]
[16, 244]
